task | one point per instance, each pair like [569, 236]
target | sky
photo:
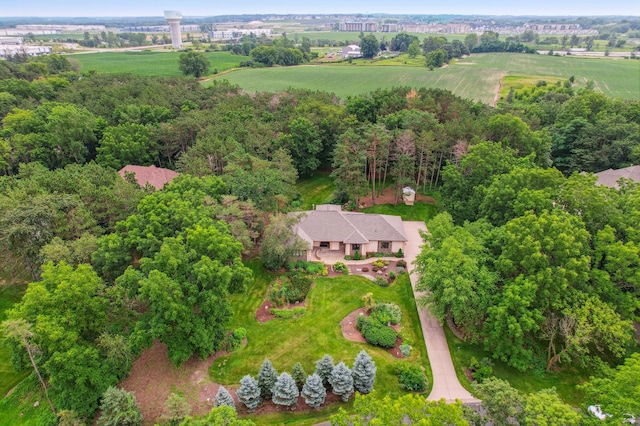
[82, 8]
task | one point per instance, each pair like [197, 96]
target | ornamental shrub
[401, 270]
[405, 349]
[289, 289]
[249, 393]
[341, 267]
[267, 377]
[392, 275]
[381, 281]
[386, 313]
[380, 335]
[399, 254]
[411, 377]
[341, 381]
[356, 255]
[234, 339]
[313, 391]
[402, 263]
[363, 372]
[285, 391]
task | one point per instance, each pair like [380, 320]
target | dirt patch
[153, 377]
[388, 197]
[351, 333]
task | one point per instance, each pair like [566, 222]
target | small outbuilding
[351, 51]
[408, 195]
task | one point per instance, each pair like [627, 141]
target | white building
[12, 49]
[351, 51]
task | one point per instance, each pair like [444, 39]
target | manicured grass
[149, 63]
[309, 337]
[9, 295]
[476, 77]
[565, 381]
[418, 212]
[18, 408]
[317, 189]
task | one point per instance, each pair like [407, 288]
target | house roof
[156, 176]
[610, 177]
[348, 227]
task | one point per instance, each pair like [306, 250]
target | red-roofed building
[155, 176]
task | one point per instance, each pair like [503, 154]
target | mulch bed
[351, 333]
[269, 407]
[388, 197]
[263, 314]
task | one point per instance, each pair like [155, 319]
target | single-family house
[329, 231]
[611, 177]
[351, 51]
[157, 177]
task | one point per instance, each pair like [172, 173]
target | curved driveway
[445, 381]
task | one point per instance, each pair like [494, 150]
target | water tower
[174, 17]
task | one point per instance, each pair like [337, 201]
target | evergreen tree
[314, 392]
[324, 368]
[299, 375]
[249, 393]
[285, 391]
[119, 407]
[341, 381]
[223, 397]
[363, 372]
[267, 377]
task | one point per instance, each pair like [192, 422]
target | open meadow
[477, 77]
[149, 63]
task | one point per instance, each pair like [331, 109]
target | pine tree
[285, 392]
[119, 407]
[267, 377]
[249, 393]
[363, 372]
[223, 397]
[299, 375]
[341, 381]
[324, 368]
[314, 392]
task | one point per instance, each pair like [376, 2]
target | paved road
[445, 381]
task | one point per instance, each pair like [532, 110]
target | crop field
[477, 77]
[149, 63]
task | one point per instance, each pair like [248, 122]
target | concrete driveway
[445, 381]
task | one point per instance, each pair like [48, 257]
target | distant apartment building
[437, 28]
[64, 28]
[365, 27]
[232, 33]
[389, 28]
[11, 40]
[10, 46]
[157, 29]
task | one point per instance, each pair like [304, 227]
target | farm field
[149, 63]
[476, 77]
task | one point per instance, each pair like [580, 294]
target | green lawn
[149, 63]
[476, 77]
[317, 189]
[309, 337]
[418, 212]
[530, 381]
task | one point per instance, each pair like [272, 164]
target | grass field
[316, 333]
[317, 189]
[476, 77]
[9, 295]
[418, 212]
[149, 63]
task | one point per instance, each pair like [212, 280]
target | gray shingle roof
[610, 177]
[350, 228]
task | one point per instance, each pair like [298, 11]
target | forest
[529, 256]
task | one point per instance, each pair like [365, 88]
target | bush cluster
[341, 267]
[375, 332]
[402, 263]
[234, 339]
[313, 268]
[382, 282]
[481, 370]
[289, 289]
[411, 377]
[386, 313]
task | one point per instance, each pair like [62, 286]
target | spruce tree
[324, 368]
[363, 372]
[267, 377]
[249, 393]
[314, 392]
[299, 375]
[223, 397]
[341, 381]
[285, 392]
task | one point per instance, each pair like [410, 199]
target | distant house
[155, 176]
[610, 177]
[351, 51]
[330, 231]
